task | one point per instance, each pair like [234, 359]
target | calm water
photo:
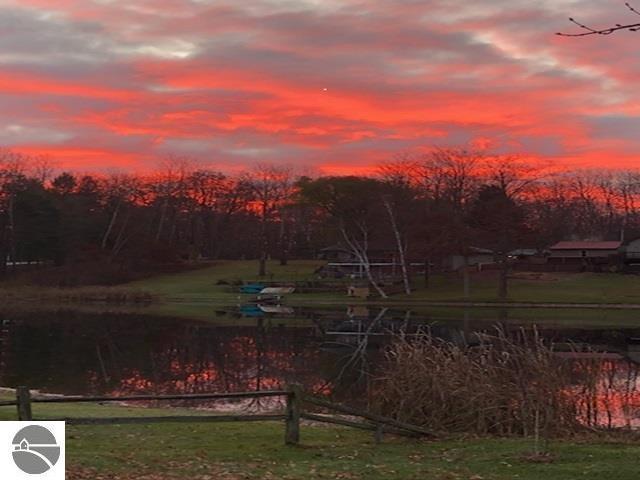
[246, 349]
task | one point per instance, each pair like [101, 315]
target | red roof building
[585, 249]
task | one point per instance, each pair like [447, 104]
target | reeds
[508, 385]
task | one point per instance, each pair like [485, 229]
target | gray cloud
[237, 81]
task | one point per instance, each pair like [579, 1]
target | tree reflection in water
[123, 354]
[328, 352]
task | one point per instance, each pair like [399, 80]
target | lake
[330, 351]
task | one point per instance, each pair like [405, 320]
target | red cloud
[324, 86]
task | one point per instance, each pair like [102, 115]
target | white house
[631, 251]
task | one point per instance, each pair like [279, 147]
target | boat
[276, 309]
[252, 288]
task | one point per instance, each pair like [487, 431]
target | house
[586, 252]
[477, 257]
[528, 258]
[631, 253]
[342, 262]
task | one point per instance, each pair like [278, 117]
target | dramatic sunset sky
[334, 84]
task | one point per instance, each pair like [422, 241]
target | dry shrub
[112, 295]
[504, 386]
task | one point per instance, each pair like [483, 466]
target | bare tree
[513, 178]
[587, 30]
[451, 177]
[121, 193]
[43, 168]
[169, 187]
[271, 186]
[358, 245]
[12, 167]
[400, 244]
[628, 191]
[353, 203]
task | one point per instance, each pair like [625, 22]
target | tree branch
[631, 27]
[630, 7]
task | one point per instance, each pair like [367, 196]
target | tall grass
[507, 385]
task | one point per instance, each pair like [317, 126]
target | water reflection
[126, 354]
[329, 351]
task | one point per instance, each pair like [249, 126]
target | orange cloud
[119, 84]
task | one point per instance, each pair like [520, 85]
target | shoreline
[348, 301]
[118, 296]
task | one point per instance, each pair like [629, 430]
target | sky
[334, 85]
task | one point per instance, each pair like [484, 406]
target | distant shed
[594, 251]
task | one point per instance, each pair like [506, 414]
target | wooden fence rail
[379, 429]
[293, 414]
[293, 396]
[193, 396]
[170, 419]
[372, 417]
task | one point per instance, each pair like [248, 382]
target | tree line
[422, 206]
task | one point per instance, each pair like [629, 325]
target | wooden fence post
[377, 436]
[23, 398]
[293, 412]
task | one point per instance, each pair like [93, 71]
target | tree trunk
[399, 246]
[427, 272]
[284, 244]
[121, 239]
[11, 237]
[466, 280]
[163, 214]
[4, 250]
[378, 288]
[363, 258]
[504, 278]
[112, 222]
[264, 243]
[262, 264]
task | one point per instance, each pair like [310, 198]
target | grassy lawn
[185, 293]
[202, 285]
[605, 288]
[551, 287]
[256, 451]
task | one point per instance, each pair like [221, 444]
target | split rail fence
[293, 413]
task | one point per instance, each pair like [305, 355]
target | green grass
[184, 293]
[195, 293]
[202, 285]
[553, 287]
[256, 450]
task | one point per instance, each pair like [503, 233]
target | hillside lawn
[212, 451]
[203, 285]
